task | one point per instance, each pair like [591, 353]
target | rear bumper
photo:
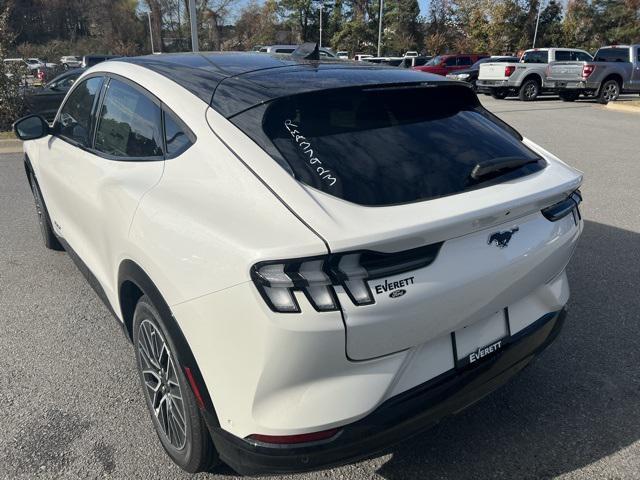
[489, 85]
[562, 85]
[399, 417]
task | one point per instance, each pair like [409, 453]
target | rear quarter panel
[524, 70]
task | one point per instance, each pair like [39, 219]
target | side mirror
[31, 127]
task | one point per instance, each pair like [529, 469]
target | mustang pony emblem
[502, 239]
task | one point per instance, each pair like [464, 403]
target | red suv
[444, 64]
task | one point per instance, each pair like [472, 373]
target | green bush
[12, 86]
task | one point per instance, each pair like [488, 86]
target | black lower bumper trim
[398, 418]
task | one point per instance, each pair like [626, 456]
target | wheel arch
[133, 283]
[613, 76]
[532, 76]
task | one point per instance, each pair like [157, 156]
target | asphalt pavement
[72, 407]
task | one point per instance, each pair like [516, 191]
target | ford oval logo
[397, 293]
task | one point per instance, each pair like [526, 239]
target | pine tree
[402, 26]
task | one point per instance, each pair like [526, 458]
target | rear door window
[563, 56]
[612, 55]
[581, 57]
[535, 57]
[129, 124]
[463, 61]
[450, 62]
[385, 146]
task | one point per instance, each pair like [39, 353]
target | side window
[535, 57]
[129, 124]
[74, 120]
[177, 136]
[65, 83]
[582, 57]
[450, 62]
[464, 60]
[563, 56]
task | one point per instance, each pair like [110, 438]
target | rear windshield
[390, 146]
[612, 55]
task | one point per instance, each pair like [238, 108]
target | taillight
[317, 277]
[563, 208]
[587, 70]
[40, 75]
[508, 70]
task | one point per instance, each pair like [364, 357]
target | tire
[178, 424]
[499, 94]
[569, 96]
[529, 90]
[46, 229]
[609, 92]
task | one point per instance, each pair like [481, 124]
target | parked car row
[470, 74]
[45, 98]
[568, 72]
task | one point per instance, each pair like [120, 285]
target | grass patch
[7, 136]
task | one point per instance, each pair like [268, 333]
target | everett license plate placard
[481, 340]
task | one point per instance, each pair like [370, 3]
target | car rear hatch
[417, 191]
[565, 71]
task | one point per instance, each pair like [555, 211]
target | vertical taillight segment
[508, 70]
[317, 277]
[587, 70]
[350, 273]
[276, 287]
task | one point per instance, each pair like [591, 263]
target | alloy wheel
[530, 90]
[161, 383]
[611, 92]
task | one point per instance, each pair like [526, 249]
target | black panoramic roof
[232, 82]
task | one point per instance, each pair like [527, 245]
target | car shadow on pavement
[575, 405]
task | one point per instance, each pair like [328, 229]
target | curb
[10, 146]
[621, 107]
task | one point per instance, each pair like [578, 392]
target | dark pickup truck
[614, 70]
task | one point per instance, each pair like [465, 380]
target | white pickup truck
[526, 78]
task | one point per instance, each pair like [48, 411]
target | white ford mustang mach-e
[313, 260]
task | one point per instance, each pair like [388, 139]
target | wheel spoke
[148, 346]
[146, 356]
[177, 410]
